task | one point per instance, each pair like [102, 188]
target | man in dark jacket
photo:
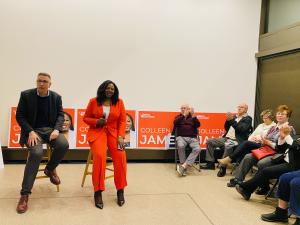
[237, 130]
[40, 116]
[186, 131]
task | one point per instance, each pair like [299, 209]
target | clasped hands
[33, 137]
[120, 141]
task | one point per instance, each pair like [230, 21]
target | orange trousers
[99, 149]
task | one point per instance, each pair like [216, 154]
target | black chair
[270, 192]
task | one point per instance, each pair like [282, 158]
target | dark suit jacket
[242, 128]
[294, 153]
[27, 112]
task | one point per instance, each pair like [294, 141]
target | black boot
[279, 215]
[120, 195]
[208, 166]
[262, 191]
[222, 171]
[240, 189]
[98, 199]
[233, 182]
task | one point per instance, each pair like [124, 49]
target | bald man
[237, 127]
[186, 131]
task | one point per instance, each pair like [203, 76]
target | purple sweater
[186, 127]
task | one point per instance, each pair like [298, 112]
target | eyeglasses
[42, 81]
[281, 114]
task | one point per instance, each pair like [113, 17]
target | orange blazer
[115, 124]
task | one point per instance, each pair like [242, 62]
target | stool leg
[57, 186]
[86, 168]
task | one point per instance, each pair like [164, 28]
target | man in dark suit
[237, 130]
[40, 116]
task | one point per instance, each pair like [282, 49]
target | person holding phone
[106, 117]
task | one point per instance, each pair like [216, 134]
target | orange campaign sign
[130, 132]
[155, 128]
[145, 129]
[82, 129]
[69, 128]
[212, 126]
[14, 130]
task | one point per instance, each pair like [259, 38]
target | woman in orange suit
[106, 117]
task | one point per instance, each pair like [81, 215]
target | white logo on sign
[147, 116]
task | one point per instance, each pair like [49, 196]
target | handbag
[262, 152]
[278, 158]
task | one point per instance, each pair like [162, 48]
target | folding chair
[188, 151]
[270, 192]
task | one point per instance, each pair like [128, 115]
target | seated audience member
[254, 141]
[283, 113]
[237, 129]
[288, 163]
[186, 131]
[288, 197]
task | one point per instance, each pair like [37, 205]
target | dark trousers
[262, 177]
[289, 190]
[60, 146]
[224, 143]
[243, 149]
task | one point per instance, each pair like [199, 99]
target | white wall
[283, 13]
[159, 52]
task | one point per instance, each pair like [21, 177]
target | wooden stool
[46, 158]
[90, 161]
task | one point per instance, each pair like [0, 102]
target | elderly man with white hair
[237, 127]
[186, 131]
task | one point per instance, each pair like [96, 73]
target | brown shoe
[22, 205]
[225, 161]
[53, 176]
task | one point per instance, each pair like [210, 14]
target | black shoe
[246, 195]
[121, 199]
[233, 182]
[279, 215]
[262, 191]
[222, 171]
[208, 166]
[98, 199]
